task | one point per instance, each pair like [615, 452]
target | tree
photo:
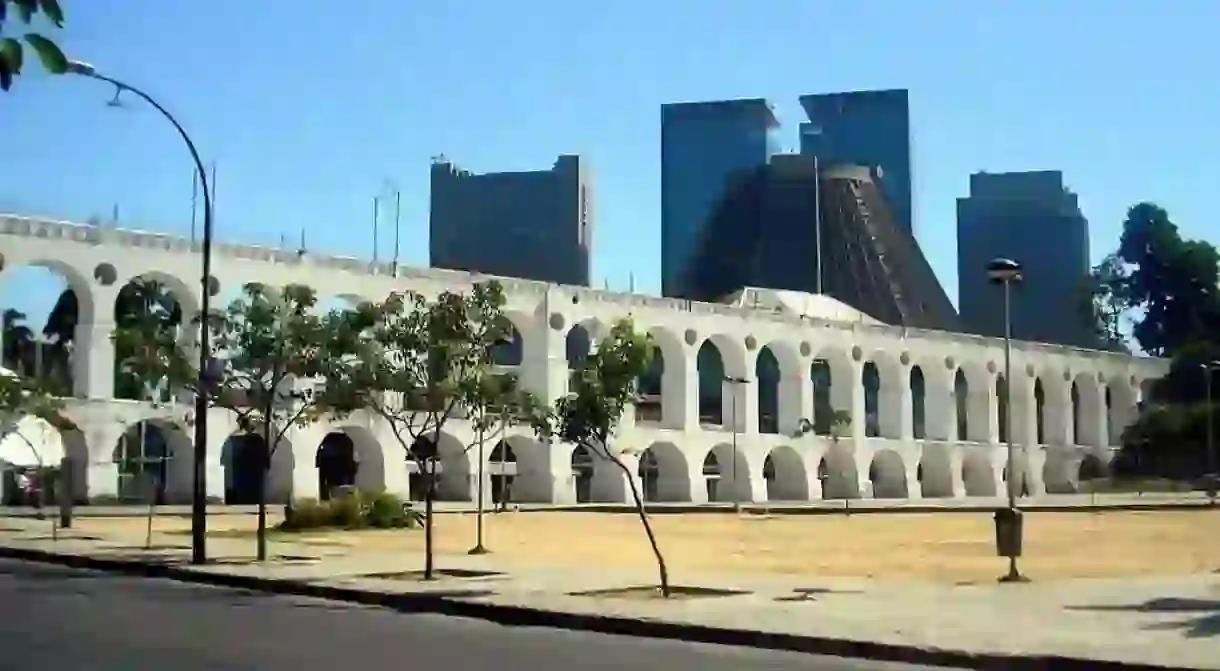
[12, 52]
[22, 397]
[497, 404]
[1105, 303]
[587, 416]
[416, 362]
[1168, 283]
[144, 305]
[263, 345]
[18, 341]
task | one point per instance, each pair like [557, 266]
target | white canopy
[28, 441]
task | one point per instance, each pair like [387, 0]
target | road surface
[67, 620]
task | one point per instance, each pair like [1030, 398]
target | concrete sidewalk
[1088, 624]
[1047, 503]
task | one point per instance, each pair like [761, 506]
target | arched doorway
[244, 456]
[143, 456]
[785, 475]
[336, 464]
[582, 473]
[502, 467]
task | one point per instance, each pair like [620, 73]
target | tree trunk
[265, 464]
[429, 495]
[262, 516]
[639, 510]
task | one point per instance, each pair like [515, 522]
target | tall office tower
[870, 128]
[704, 147]
[778, 220]
[533, 225]
[1032, 218]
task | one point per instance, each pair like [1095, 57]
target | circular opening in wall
[105, 274]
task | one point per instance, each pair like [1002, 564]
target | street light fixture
[199, 480]
[1213, 477]
[1007, 272]
[736, 381]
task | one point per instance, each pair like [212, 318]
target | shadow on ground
[812, 593]
[1204, 620]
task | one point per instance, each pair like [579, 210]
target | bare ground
[944, 547]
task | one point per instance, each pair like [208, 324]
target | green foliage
[351, 509]
[414, 361]
[12, 50]
[26, 397]
[147, 317]
[1105, 302]
[601, 391]
[1171, 281]
[1168, 441]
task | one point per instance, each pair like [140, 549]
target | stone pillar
[93, 360]
[940, 408]
[1058, 409]
[795, 399]
[895, 407]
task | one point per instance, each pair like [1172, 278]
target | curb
[522, 616]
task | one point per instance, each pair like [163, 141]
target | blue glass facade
[870, 128]
[705, 147]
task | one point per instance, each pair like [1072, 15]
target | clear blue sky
[307, 107]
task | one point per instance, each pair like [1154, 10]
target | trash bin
[1008, 532]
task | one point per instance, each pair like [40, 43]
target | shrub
[351, 508]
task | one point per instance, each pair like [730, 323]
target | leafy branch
[12, 50]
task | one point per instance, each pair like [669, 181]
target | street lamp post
[1213, 477]
[1007, 272]
[199, 480]
[737, 383]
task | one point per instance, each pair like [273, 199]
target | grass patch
[653, 593]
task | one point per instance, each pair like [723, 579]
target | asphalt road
[57, 618]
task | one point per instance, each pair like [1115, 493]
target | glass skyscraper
[705, 148]
[871, 128]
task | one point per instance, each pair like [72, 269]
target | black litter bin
[1009, 525]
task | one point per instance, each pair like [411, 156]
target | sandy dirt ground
[946, 547]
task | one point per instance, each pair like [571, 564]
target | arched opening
[1040, 410]
[711, 476]
[784, 473]
[502, 467]
[30, 445]
[1121, 409]
[935, 472]
[978, 475]
[336, 464]
[767, 372]
[148, 305]
[1001, 400]
[871, 379]
[838, 472]
[1092, 468]
[582, 473]
[961, 405]
[39, 334]
[1076, 413]
[649, 406]
[1021, 468]
[710, 364]
[509, 351]
[888, 475]
[440, 462]
[823, 408]
[249, 465]
[153, 463]
[578, 344]
[663, 474]
[919, 424]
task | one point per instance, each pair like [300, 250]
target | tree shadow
[1205, 620]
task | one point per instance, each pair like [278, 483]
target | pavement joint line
[525, 616]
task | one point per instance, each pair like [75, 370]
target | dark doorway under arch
[245, 469]
[336, 463]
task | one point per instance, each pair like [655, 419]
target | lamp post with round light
[199, 480]
[1006, 273]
